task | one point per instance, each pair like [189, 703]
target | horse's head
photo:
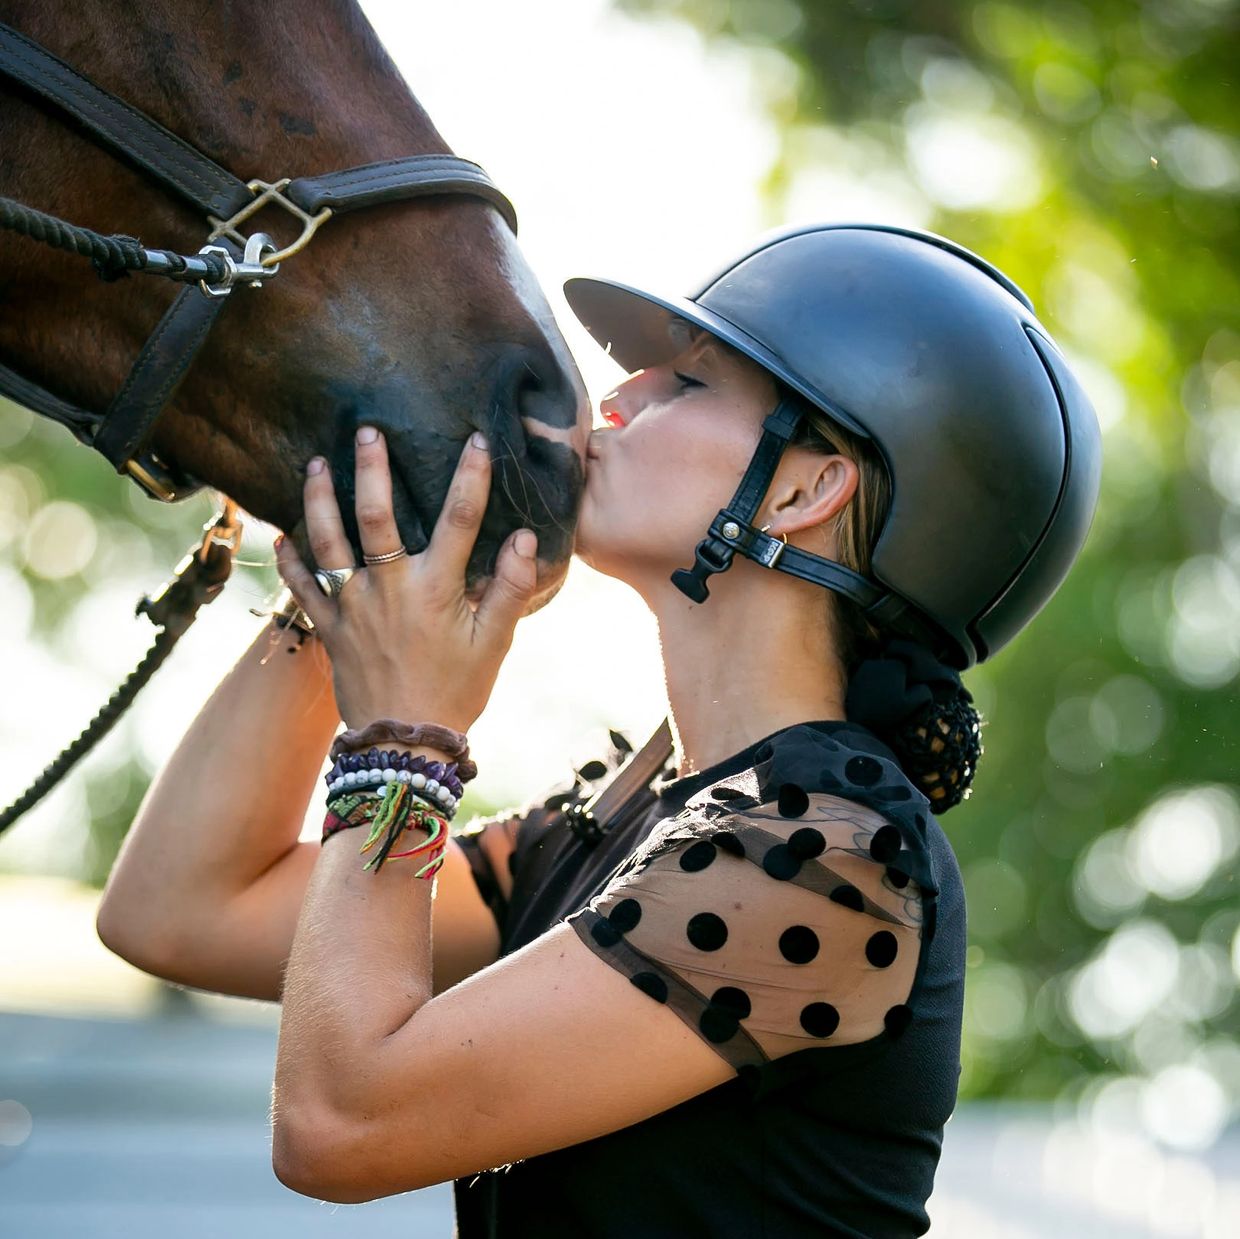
[424, 320]
[420, 317]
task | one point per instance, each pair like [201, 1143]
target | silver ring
[332, 580]
[385, 559]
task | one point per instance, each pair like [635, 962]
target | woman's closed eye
[687, 380]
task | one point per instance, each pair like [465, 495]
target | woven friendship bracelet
[446, 808]
[387, 817]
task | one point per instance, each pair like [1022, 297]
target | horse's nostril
[535, 392]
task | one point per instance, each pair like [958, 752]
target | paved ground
[158, 1127]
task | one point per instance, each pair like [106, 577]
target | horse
[421, 318]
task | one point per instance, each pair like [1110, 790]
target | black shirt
[812, 1137]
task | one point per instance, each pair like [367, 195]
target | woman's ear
[814, 490]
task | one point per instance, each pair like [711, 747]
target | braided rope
[197, 582]
[99, 726]
[112, 257]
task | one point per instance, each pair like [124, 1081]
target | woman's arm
[220, 822]
[210, 881]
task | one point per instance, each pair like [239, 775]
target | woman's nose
[620, 407]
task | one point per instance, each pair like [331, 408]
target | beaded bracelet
[389, 815]
[374, 783]
[389, 764]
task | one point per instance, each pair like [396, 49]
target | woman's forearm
[231, 800]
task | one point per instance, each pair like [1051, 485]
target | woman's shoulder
[813, 787]
[770, 915]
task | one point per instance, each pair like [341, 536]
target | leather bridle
[122, 431]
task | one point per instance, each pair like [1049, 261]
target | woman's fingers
[324, 528]
[510, 590]
[375, 521]
[303, 586]
[456, 530]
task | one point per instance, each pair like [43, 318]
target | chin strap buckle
[712, 555]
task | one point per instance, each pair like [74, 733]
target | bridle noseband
[230, 257]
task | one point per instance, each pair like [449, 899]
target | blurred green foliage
[1093, 153]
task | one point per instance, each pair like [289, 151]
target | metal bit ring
[332, 580]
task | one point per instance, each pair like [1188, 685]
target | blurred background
[1092, 151]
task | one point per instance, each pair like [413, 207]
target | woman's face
[681, 436]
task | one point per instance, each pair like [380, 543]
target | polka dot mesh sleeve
[767, 935]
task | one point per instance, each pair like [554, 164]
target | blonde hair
[858, 523]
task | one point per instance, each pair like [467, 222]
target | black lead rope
[199, 579]
[114, 256]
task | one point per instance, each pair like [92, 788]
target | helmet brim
[632, 326]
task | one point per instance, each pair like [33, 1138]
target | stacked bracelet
[393, 791]
[432, 780]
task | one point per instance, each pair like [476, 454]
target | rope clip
[250, 270]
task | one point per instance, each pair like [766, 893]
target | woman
[725, 1000]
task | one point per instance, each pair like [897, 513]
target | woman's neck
[754, 658]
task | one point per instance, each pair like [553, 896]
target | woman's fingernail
[367, 434]
[279, 542]
[316, 465]
[525, 543]
[478, 440]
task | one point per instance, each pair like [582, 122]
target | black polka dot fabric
[772, 928]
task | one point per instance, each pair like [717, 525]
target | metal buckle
[770, 553]
[270, 192]
[149, 483]
[773, 550]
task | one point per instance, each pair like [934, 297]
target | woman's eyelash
[687, 380]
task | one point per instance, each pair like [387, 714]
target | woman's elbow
[133, 943]
[309, 1158]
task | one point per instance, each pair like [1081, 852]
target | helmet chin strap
[733, 531]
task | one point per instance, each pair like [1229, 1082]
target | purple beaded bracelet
[393, 759]
[398, 759]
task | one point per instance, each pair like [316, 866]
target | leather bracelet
[433, 735]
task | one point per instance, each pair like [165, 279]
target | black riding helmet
[907, 339]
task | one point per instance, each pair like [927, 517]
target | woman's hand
[403, 639]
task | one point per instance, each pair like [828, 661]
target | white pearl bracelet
[428, 789]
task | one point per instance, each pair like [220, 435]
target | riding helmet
[991, 446]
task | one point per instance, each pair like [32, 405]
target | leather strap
[778, 427]
[632, 777]
[397, 180]
[152, 147]
[882, 607]
[157, 373]
[732, 531]
[713, 553]
[38, 399]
